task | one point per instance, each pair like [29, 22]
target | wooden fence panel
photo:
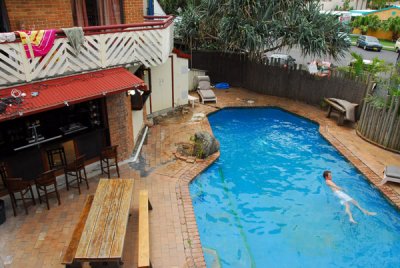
[268, 78]
[382, 125]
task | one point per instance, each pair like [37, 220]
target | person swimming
[345, 199]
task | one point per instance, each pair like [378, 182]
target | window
[97, 12]
[4, 23]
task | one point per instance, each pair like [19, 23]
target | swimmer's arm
[333, 185]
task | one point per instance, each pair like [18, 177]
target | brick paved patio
[40, 238]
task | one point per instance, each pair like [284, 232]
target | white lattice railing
[148, 43]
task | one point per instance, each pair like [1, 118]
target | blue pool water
[264, 202]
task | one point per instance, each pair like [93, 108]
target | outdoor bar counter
[80, 129]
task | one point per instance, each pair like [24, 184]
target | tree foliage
[365, 23]
[344, 7]
[173, 6]
[377, 4]
[360, 67]
[253, 27]
[393, 24]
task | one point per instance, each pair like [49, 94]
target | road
[387, 56]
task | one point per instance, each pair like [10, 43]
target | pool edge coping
[193, 248]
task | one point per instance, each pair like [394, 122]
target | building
[89, 96]
[383, 14]
[334, 4]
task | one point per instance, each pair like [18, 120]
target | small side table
[192, 100]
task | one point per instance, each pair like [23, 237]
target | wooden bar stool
[18, 185]
[56, 158]
[14, 186]
[108, 159]
[77, 171]
[47, 179]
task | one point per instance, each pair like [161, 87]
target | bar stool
[16, 185]
[47, 179]
[3, 174]
[108, 159]
[76, 169]
[56, 158]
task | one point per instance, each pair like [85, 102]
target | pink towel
[37, 42]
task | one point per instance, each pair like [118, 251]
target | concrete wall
[378, 34]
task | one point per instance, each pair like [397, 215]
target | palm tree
[365, 23]
[253, 27]
[393, 24]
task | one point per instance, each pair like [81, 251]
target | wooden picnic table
[104, 233]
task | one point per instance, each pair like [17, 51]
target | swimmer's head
[327, 175]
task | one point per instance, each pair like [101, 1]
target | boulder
[204, 144]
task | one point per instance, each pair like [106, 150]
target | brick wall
[133, 10]
[39, 14]
[55, 14]
[120, 124]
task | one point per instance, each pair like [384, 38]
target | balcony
[148, 43]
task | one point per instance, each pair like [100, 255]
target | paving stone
[42, 236]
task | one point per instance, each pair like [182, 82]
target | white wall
[137, 122]
[161, 86]
[181, 80]
[331, 4]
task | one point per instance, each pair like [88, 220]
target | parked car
[369, 42]
[284, 59]
[397, 45]
[346, 37]
[366, 62]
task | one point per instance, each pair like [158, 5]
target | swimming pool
[264, 202]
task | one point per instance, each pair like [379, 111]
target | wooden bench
[76, 235]
[340, 110]
[144, 235]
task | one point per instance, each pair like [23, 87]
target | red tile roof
[63, 91]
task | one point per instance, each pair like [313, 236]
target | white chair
[391, 173]
[204, 89]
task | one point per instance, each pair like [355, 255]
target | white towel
[7, 37]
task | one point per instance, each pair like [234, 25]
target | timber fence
[381, 125]
[269, 77]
